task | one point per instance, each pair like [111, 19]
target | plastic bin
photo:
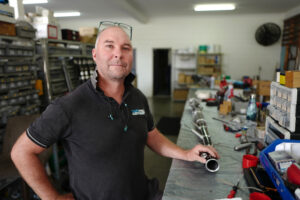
[271, 171]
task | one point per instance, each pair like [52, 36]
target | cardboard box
[264, 88]
[188, 79]
[68, 34]
[292, 79]
[225, 107]
[46, 31]
[88, 31]
[181, 78]
[44, 20]
[88, 39]
[7, 29]
[206, 70]
[201, 60]
[180, 94]
[255, 83]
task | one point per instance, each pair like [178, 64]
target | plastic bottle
[252, 109]
[212, 82]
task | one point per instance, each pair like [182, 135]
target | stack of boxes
[184, 78]
[45, 24]
[88, 34]
[284, 110]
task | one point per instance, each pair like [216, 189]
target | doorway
[162, 72]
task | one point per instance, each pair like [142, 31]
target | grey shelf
[18, 73]
[69, 55]
[210, 54]
[60, 67]
[203, 64]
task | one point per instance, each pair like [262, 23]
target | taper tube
[211, 165]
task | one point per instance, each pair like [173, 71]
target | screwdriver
[233, 191]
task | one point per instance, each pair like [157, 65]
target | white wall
[235, 33]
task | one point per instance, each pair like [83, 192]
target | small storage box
[68, 34]
[273, 174]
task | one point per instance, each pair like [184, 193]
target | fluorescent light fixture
[214, 7]
[67, 14]
[34, 1]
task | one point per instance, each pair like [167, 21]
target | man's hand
[68, 196]
[193, 154]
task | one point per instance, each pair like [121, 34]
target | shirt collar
[94, 79]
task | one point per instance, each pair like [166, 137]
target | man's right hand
[68, 196]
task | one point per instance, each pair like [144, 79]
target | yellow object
[282, 79]
[39, 87]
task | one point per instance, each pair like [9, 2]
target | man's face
[113, 54]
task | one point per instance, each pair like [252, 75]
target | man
[104, 125]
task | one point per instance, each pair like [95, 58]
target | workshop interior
[224, 74]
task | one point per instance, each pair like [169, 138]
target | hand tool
[233, 191]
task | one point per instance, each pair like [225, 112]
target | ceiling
[145, 10]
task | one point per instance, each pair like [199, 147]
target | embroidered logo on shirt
[138, 112]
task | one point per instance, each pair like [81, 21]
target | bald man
[104, 126]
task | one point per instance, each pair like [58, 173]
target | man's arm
[161, 145]
[25, 156]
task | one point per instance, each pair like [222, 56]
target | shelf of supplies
[207, 64]
[183, 68]
[68, 55]
[57, 80]
[186, 54]
[15, 74]
[63, 41]
[18, 94]
[209, 54]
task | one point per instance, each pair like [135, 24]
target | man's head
[113, 53]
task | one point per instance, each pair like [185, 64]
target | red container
[249, 161]
[258, 196]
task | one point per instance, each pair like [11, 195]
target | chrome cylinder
[211, 165]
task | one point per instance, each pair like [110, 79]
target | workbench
[190, 180]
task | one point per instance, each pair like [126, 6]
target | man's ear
[94, 54]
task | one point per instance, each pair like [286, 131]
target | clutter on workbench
[277, 173]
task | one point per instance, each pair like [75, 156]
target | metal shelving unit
[18, 75]
[209, 64]
[66, 64]
[183, 67]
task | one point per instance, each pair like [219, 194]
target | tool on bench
[233, 191]
[230, 126]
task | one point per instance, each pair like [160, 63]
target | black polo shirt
[103, 141]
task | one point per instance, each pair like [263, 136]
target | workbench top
[190, 180]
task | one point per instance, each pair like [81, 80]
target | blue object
[4, 1]
[271, 171]
[252, 109]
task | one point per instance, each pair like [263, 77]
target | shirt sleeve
[150, 121]
[52, 125]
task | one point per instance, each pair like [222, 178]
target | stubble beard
[115, 74]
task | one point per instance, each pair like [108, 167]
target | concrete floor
[156, 165]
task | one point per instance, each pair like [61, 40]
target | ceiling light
[66, 14]
[34, 1]
[214, 7]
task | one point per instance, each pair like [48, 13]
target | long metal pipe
[211, 165]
